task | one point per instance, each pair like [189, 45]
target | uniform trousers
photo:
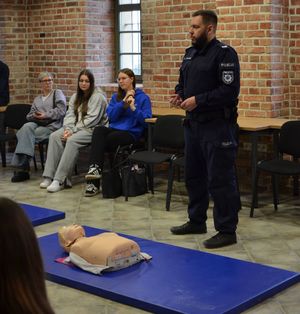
[210, 171]
[62, 155]
[29, 134]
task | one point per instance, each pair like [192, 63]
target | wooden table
[252, 126]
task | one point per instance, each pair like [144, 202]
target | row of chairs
[168, 135]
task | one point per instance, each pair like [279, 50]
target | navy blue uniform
[4, 85]
[212, 75]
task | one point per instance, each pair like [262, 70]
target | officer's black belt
[207, 116]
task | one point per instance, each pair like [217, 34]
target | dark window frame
[123, 8]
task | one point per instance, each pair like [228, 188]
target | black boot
[220, 240]
[20, 176]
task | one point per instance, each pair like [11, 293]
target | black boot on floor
[188, 228]
[220, 240]
[20, 176]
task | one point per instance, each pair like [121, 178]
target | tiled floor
[269, 238]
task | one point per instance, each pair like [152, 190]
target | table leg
[253, 136]
[149, 137]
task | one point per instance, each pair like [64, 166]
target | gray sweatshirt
[96, 113]
[46, 107]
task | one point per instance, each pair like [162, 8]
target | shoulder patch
[227, 77]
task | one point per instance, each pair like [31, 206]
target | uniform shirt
[212, 75]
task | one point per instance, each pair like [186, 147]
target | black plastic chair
[289, 144]
[14, 118]
[167, 134]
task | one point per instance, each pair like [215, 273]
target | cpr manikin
[106, 251]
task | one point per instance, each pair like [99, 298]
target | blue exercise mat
[40, 215]
[176, 280]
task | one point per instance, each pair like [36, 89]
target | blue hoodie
[126, 119]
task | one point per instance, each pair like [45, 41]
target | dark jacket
[4, 84]
[212, 75]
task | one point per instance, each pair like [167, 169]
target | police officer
[4, 85]
[208, 90]
[4, 92]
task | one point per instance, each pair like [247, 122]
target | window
[129, 47]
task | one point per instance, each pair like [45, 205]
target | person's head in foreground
[22, 282]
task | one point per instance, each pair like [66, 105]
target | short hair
[44, 74]
[209, 17]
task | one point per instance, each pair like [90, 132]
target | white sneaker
[55, 186]
[45, 183]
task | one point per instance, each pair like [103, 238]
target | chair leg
[41, 151]
[254, 193]
[3, 154]
[35, 164]
[296, 185]
[296, 181]
[170, 186]
[150, 178]
[275, 191]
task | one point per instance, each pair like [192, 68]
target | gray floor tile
[271, 238]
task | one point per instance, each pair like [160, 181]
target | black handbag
[44, 122]
[134, 180]
[111, 183]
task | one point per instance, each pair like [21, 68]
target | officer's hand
[189, 104]
[175, 100]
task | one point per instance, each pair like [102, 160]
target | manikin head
[67, 235]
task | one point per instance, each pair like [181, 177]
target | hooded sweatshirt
[125, 119]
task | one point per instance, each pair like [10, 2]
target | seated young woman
[127, 111]
[87, 109]
[22, 285]
[51, 104]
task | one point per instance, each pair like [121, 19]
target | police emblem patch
[227, 77]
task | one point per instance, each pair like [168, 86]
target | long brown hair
[22, 282]
[131, 74]
[81, 97]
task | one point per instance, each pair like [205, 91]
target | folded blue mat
[40, 215]
[176, 280]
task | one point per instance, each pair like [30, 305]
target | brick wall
[62, 37]
[294, 57]
[264, 33]
[14, 48]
